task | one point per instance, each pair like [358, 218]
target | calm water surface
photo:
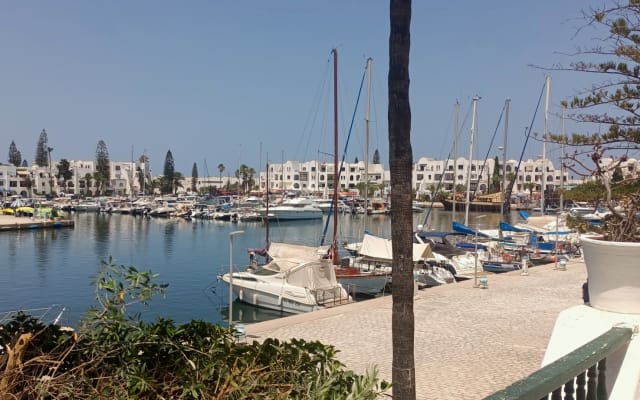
[44, 267]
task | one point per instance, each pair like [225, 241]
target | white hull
[285, 213]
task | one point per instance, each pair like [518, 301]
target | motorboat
[297, 279]
[298, 208]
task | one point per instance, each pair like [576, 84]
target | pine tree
[376, 157]
[102, 175]
[194, 177]
[15, 157]
[42, 155]
[169, 172]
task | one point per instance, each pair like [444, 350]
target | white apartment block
[316, 177]
[36, 180]
[428, 173]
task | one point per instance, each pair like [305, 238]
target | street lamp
[231, 235]
[475, 269]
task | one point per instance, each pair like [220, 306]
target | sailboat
[357, 277]
[491, 202]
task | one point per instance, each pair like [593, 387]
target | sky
[246, 82]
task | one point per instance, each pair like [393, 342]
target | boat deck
[469, 342]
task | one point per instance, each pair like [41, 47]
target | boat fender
[506, 257]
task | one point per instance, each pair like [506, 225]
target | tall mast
[455, 159]
[266, 217]
[544, 144]
[366, 145]
[562, 163]
[505, 201]
[473, 129]
[336, 173]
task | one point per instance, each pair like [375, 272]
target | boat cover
[460, 227]
[504, 226]
[380, 249]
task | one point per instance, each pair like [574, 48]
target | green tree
[42, 158]
[168, 173]
[356, 160]
[617, 175]
[24, 163]
[15, 157]
[376, 157]
[64, 172]
[496, 177]
[87, 181]
[612, 103]
[49, 150]
[194, 177]
[221, 169]
[401, 160]
[102, 174]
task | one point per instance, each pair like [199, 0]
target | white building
[318, 177]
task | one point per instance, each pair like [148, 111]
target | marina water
[47, 267]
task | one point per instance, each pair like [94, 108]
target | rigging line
[489, 149]
[312, 115]
[331, 210]
[515, 175]
[433, 197]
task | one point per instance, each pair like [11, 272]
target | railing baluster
[602, 379]
[591, 384]
[569, 390]
[581, 391]
[553, 377]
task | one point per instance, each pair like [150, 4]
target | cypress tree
[194, 177]
[102, 175]
[169, 172]
[15, 157]
[42, 158]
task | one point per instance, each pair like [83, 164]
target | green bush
[116, 355]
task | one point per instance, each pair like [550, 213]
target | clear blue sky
[234, 81]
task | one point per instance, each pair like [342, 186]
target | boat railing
[581, 374]
[334, 296]
[46, 315]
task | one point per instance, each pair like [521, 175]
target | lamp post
[231, 235]
[475, 269]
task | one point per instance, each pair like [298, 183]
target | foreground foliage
[116, 355]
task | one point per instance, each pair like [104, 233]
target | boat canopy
[460, 227]
[302, 265]
[380, 249]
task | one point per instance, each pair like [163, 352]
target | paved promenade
[469, 342]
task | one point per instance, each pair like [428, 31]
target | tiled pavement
[469, 342]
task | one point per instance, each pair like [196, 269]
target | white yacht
[298, 208]
[296, 280]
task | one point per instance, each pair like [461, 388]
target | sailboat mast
[544, 144]
[366, 145]
[336, 173]
[473, 129]
[562, 164]
[455, 159]
[266, 217]
[505, 200]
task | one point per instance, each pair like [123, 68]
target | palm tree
[87, 179]
[221, 169]
[400, 163]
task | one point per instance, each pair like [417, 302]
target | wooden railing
[580, 375]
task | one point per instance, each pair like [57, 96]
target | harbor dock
[11, 223]
[469, 342]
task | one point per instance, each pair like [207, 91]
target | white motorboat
[296, 280]
[299, 208]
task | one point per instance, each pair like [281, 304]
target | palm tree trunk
[400, 162]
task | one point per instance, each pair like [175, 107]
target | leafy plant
[115, 354]
[613, 103]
